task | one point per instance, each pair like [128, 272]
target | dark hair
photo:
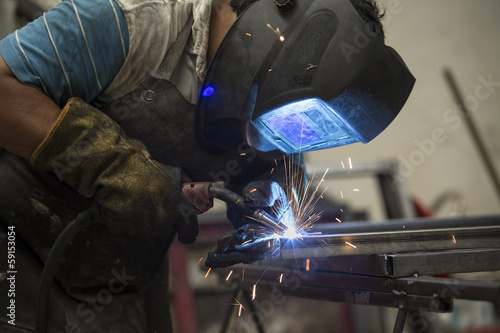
[367, 9]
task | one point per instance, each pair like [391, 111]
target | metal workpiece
[441, 262]
[404, 264]
[415, 293]
[400, 236]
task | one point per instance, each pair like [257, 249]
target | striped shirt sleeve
[73, 50]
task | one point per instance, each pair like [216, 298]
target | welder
[117, 102]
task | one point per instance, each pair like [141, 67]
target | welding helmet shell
[311, 77]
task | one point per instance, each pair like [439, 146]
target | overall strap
[174, 52]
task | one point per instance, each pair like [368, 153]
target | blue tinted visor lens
[306, 125]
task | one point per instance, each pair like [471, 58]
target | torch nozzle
[269, 221]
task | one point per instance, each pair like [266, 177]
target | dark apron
[105, 283]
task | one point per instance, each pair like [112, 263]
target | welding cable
[259, 215]
[82, 221]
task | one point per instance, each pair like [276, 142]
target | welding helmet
[300, 76]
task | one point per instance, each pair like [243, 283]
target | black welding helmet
[310, 76]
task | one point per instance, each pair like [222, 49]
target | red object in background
[421, 209]
[182, 295]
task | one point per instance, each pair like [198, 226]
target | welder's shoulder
[153, 27]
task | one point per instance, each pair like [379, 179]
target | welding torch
[201, 195]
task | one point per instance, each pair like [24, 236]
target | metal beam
[356, 238]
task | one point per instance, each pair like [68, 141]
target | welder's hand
[237, 246]
[257, 194]
[261, 194]
[137, 195]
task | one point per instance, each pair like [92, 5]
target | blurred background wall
[429, 138]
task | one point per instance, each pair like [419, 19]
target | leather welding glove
[237, 246]
[267, 191]
[137, 195]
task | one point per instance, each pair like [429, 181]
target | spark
[282, 38]
[338, 220]
[247, 241]
[249, 34]
[243, 275]
[343, 166]
[281, 277]
[243, 154]
[227, 279]
[341, 194]
[208, 272]
[310, 66]
[350, 163]
[355, 190]
[454, 240]
[253, 190]
[308, 261]
[350, 244]
[276, 31]
[238, 303]
[341, 210]
[200, 260]
[270, 69]
[254, 291]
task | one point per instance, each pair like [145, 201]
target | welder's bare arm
[26, 114]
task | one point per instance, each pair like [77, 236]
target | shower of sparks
[350, 244]
[338, 220]
[208, 272]
[254, 291]
[308, 262]
[295, 206]
[350, 163]
[200, 260]
[229, 275]
[454, 240]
